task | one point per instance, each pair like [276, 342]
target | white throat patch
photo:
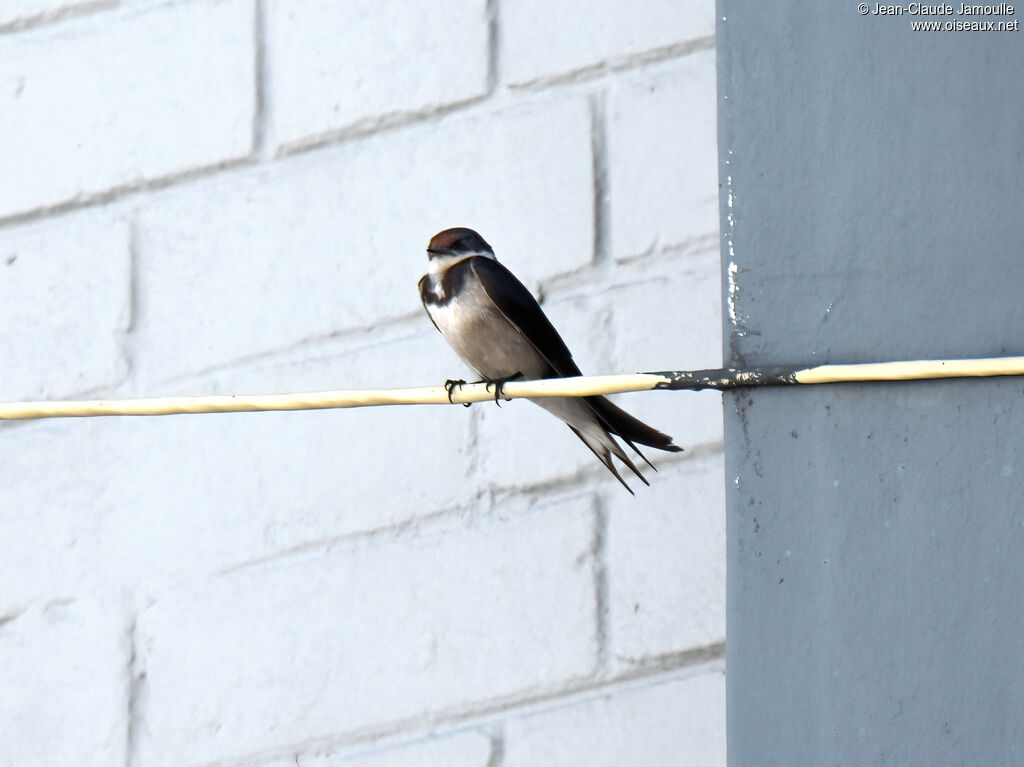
[441, 264]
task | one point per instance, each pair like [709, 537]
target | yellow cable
[910, 371]
[427, 395]
[582, 386]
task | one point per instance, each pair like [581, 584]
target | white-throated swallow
[497, 327]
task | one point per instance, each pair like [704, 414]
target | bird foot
[449, 386]
[500, 384]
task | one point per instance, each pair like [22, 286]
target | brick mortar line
[133, 694]
[375, 125]
[593, 279]
[483, 504]
[125, 191]
[497, 756]
[259, 117]
[600, 178]
[696, 245]
[493, 45]
[390, 328]
[601, 602]
[618, 64]
[669, 667]
[370, 126]
[44, 19]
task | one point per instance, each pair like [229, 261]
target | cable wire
[580, 386]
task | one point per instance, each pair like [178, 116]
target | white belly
[491, 345]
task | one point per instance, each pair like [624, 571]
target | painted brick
[410, 353]
[368, 634]
[16, 12]
[520, 445]
[540, 40]
[64, 305]
[368, 59]
[675, 723]
[335, 239]
[63, 685]
[665, 564]
[269, 635]
[663, 157]
[668, 313]
[115, 98]
[468, 749]
[115, 501]
[673, 323]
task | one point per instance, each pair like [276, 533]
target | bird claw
[497, 390]
[449, 386]
[451, 383]
[499, 385]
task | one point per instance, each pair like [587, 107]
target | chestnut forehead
[444, 239]
[459, 239]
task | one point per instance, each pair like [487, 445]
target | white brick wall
[466, 749]
[674, 722]
[432, 54]
[20, 13]
[540, 40]
[429, 622]
[331, 241]
[99, 102]
[65, 304]
[235, 196]
[664, 566]
[63, 691]
[657, 125]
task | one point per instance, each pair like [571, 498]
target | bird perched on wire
[497, 327]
